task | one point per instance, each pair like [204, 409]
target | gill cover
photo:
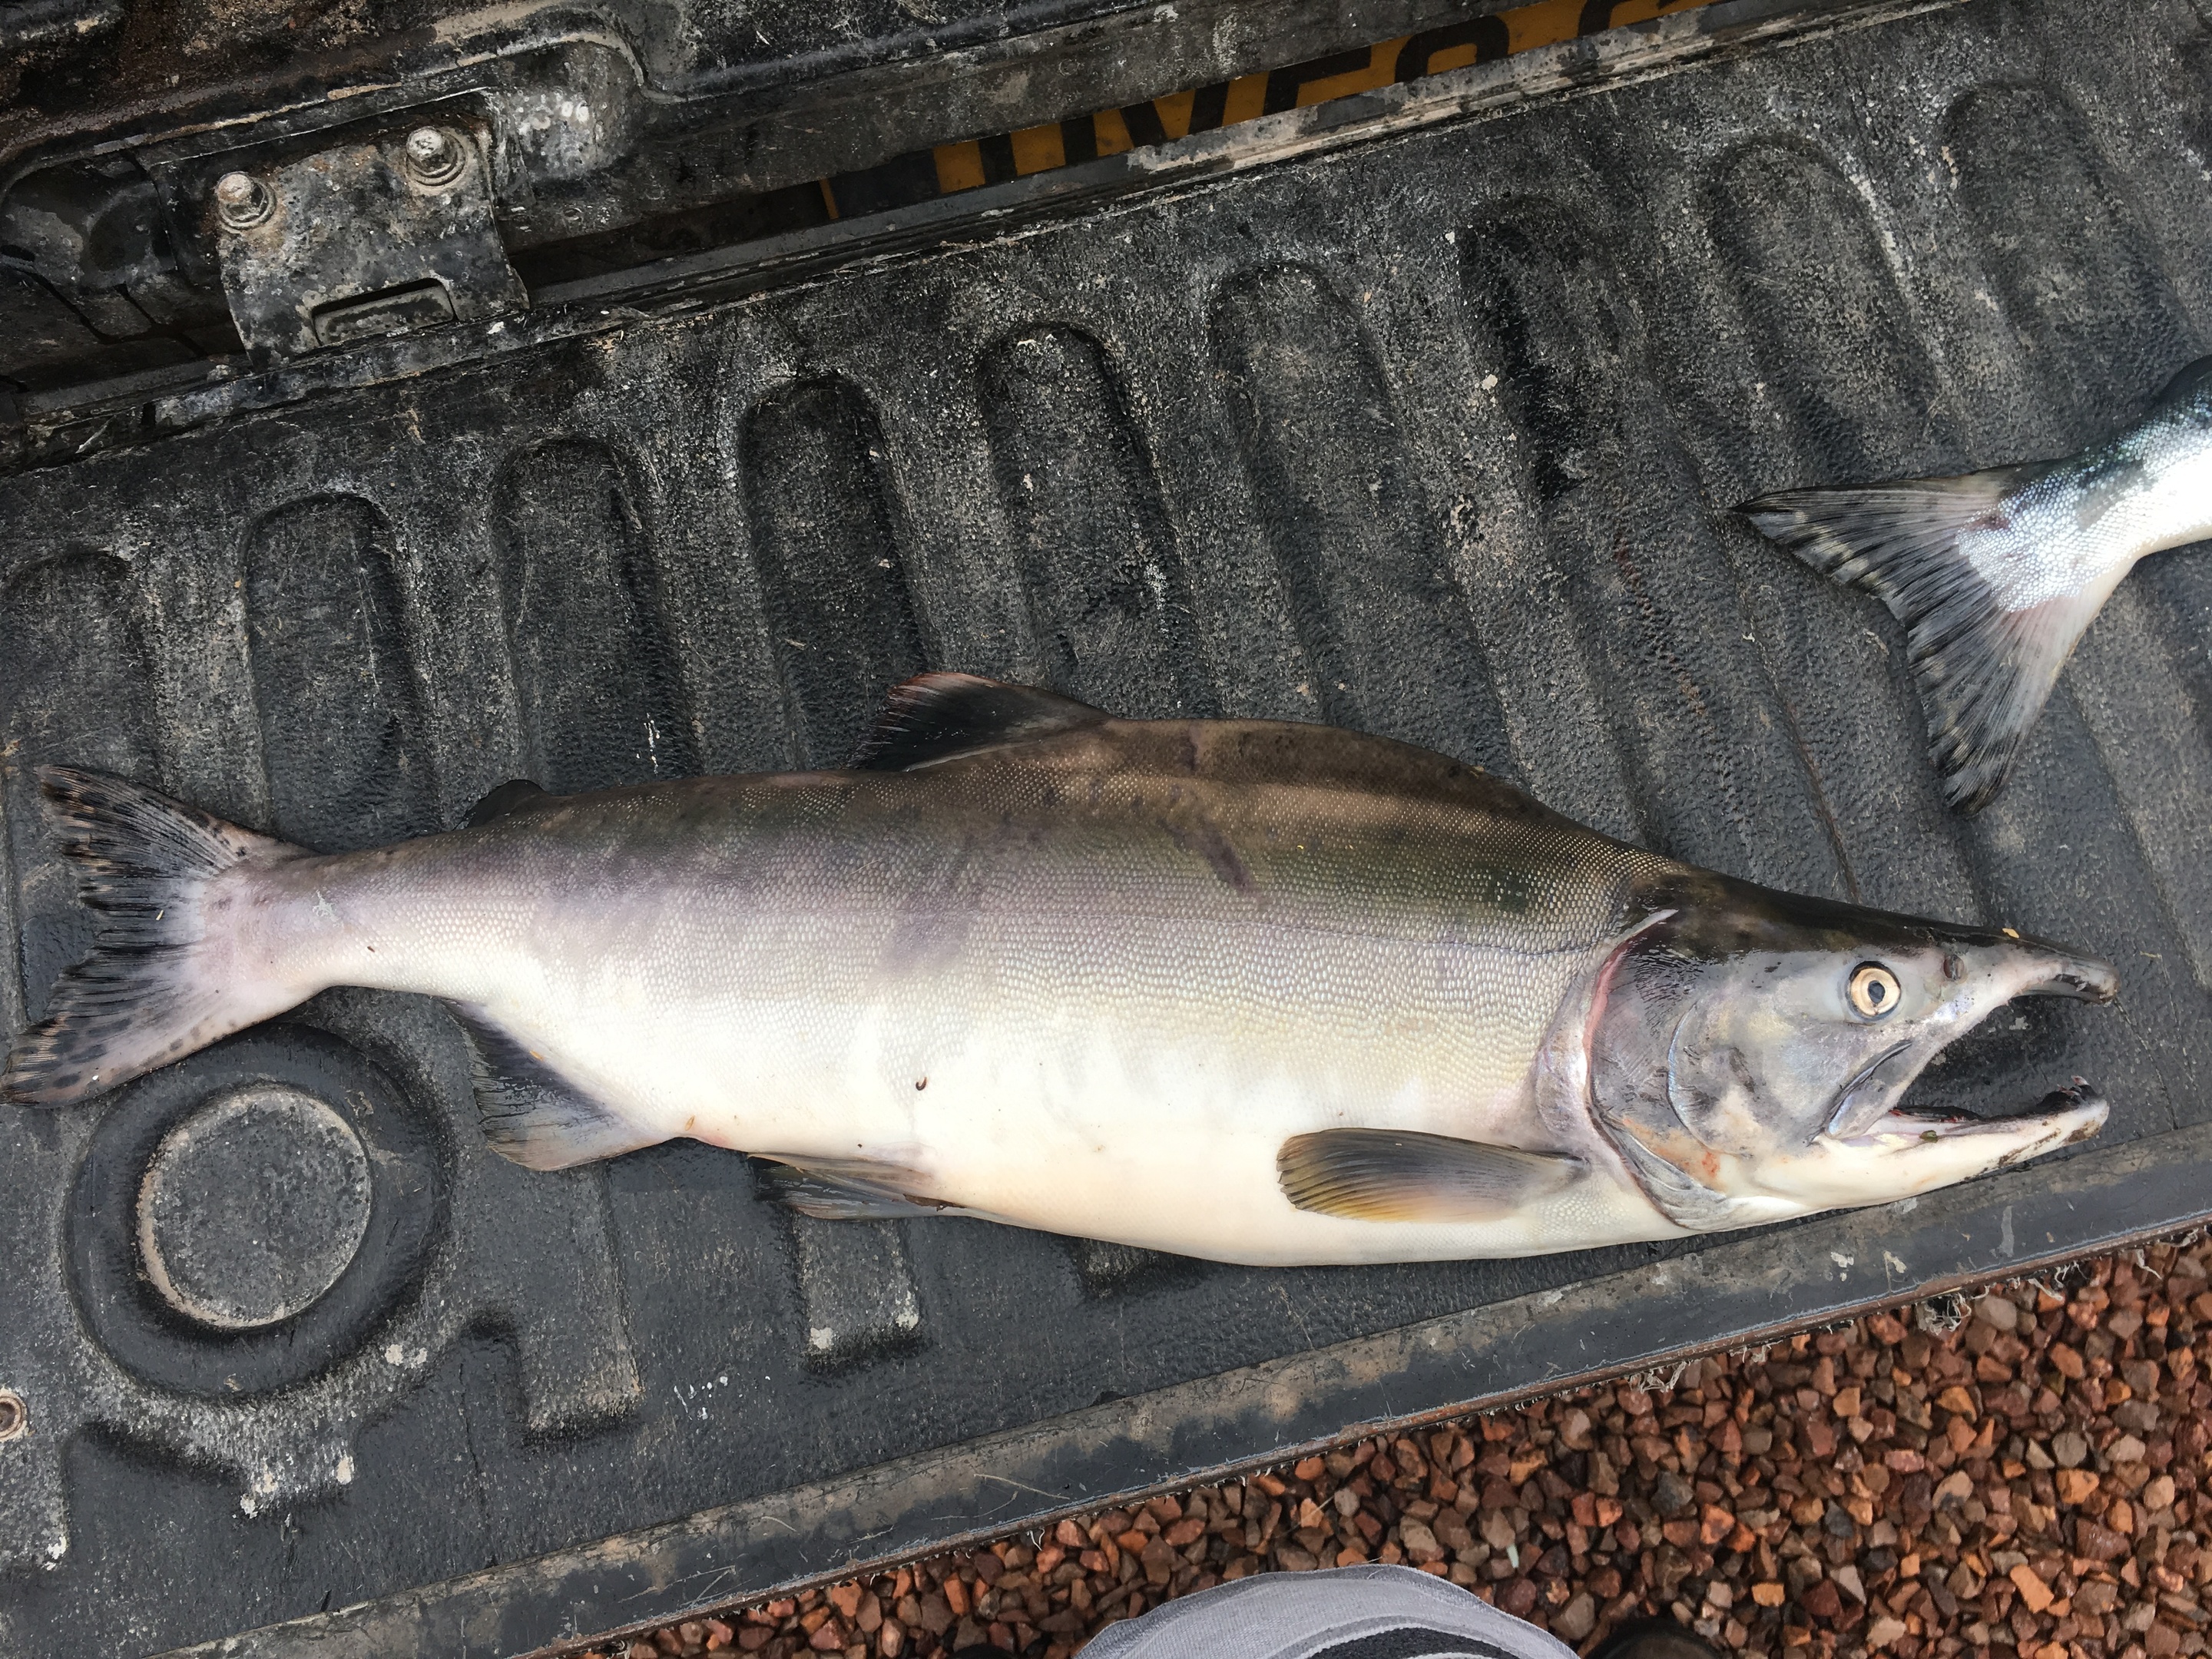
[1642, 996]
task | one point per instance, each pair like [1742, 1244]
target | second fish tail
[1984, 671]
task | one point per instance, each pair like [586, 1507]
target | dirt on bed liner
[2028, 1480]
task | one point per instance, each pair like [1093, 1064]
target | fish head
[1749, 1053]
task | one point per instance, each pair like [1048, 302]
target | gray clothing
[1345, 1612]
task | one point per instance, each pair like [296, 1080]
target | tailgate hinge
[382, 235]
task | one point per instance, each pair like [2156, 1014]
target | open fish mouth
[2066, 1114]
[2059, 1118]
[1905, 1152]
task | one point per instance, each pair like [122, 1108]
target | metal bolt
[14, 1415]
[242, 201]
[434, 156]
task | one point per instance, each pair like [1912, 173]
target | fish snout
[2023, 965]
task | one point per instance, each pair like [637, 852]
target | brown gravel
[2028, 1481]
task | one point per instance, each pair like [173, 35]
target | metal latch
[376, 237]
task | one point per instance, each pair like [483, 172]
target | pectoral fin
[1390, 1175]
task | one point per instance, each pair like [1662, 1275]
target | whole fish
[1995, 574]
[1261, 992]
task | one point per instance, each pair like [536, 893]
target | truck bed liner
[1421, 412]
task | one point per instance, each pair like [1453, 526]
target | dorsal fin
[516, 795]
[933, 717]
[2189, 382]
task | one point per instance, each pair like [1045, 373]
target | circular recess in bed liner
[252, 1207]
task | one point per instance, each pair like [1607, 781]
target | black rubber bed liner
[1419, 411]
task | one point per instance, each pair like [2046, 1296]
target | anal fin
[1393, 1175]
[847, 1189]
[529, 1113]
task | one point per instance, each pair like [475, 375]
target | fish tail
[157, 984]
[1984, 672]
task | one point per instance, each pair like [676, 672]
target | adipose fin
[513, 799]
[1391, 1175]
[1984, 671]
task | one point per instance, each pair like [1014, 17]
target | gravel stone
[2033, 1489]
[1577, 1618]
[1999, 1312]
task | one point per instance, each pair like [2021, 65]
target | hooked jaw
[1866, 1103]
[1778, 1090]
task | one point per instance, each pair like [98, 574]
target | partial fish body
[1996, 574]
[1264, 993]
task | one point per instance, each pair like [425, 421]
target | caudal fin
[151, 991]
[1984, 671]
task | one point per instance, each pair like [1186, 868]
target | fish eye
[1872, 990]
